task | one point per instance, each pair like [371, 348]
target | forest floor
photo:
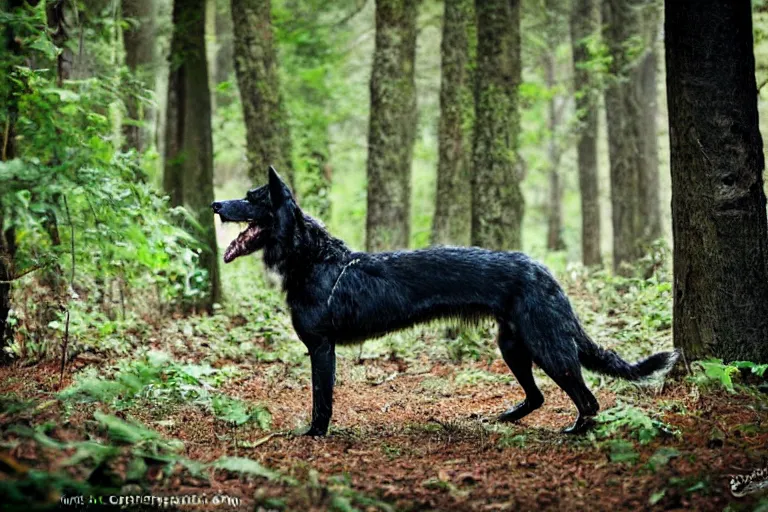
[210, 406]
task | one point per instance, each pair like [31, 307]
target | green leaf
[698, 486]
[243, 465]
[656, 497]
[623, 451]
[88, 450]
[45, 45]
[136, 469]
[64, 95]
[662, 457]
[121, 430]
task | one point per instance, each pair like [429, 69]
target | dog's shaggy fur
[337, 296]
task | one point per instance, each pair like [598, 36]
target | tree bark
[139, 44]
[188, 175]
[628, 139]
[555, 240]
[392, 129]
[8, 152]
[585, 23]
[650, 204]
[497, 202]
[266, 121]
[224, 41]
[453, 199]
[225, 49]
[718, 202]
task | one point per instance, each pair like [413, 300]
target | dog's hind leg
[560, 362]
[518, 358]
[546, 328]
[573, 384]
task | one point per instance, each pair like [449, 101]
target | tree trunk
[585, 23]
[211, 49]
[266, 120]
[392, 129]
[8, 152]
[139, 43]
[188, 175]
[555, 222]
[224, 41]
[497, 202]
[718, 203]
[225, 50]
[624, 132]
[631, 155]
[453, 200]
[650, 204]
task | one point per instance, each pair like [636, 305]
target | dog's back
[381, 292]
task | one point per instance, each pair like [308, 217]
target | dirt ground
[406, 436]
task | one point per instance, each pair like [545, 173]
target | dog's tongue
[242, 244]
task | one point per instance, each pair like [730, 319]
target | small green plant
[471, 344]
[634, 421]
[714, 372]
[472, 376]
[157, 378]
[621, 450]
[237, 412]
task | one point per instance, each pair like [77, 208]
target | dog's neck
[310, 244]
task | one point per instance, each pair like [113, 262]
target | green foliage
[16, 492]
[137, 435]
[344, 498]
[641, 307]
[71, 185]
[661, 457]
[309, 53]
[133, 439]
[472, 376]
[472, 343]
[245, 466]
[713, 372]
[239, 413]
[156, 378]
[634, 421]
[621, 450]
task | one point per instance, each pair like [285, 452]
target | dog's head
[264, 209]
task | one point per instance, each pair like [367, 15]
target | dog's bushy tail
[594, 357]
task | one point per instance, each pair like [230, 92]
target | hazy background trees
[458, 50]
[538, 125]
[393, 122]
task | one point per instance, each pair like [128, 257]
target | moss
[392, 128]
[497, 201]
[268, 136]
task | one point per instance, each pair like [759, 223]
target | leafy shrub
[715, 372]
[634, 421]
[75, 206]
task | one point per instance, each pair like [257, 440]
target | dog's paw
[315, 432]
[582, 425]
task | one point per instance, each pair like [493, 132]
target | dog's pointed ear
[278, 190]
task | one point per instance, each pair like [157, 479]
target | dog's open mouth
[245, 243]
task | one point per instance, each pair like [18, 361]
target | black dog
[337, 296]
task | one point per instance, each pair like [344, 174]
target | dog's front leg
[323, 358]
